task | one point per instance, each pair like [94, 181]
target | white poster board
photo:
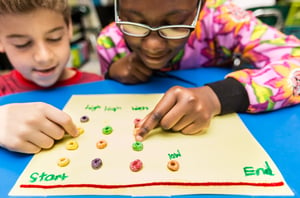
[224, 160]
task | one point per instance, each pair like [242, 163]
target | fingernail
[136, 122]
[76, 133]
[135, 131]
[139, 138]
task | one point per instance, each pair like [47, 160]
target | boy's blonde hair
[23, 6]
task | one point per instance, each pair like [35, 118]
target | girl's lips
[154, 59]
[158, 56]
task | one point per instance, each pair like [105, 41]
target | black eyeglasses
[167, 31]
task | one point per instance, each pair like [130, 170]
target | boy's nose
[43, 55]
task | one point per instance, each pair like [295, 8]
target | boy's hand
[30, 127]
[188, 110]
[130, 70]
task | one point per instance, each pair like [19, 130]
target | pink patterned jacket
[225, 31]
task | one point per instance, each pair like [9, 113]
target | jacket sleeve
[110, 46]
[274, 80]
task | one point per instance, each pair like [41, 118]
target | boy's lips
[45, 72]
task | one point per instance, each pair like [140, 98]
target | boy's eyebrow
[55, 29]
[16, 36]
[24, 36]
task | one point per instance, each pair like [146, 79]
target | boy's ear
[1, 47]
[70, 29]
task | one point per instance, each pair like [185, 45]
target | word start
[46, 177]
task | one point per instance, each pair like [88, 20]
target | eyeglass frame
[152, 29]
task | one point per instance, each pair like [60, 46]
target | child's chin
[155, 66]
[45, 84]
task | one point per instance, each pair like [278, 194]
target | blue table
[278, 131]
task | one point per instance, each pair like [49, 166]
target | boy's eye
[54, 39]
[23, 45]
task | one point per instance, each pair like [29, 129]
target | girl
[151, 35]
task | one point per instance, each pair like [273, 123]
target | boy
[35, 35]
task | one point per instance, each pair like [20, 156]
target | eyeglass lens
[165, 32]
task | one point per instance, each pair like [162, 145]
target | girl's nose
[154, 42]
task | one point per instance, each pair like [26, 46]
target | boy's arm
[30, 127]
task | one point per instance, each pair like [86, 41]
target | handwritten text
[251, 171]
[138, 108]
[113, 108]
[174, 155]
[39, 177]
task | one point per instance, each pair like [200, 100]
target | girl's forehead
[161, 6]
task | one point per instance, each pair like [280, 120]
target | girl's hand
[188, 110]
[130, 70]
[30, 127]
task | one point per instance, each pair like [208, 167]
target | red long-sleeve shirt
[14, 82]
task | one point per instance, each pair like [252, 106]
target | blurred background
[90, 16]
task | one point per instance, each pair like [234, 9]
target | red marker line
[273, 184]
